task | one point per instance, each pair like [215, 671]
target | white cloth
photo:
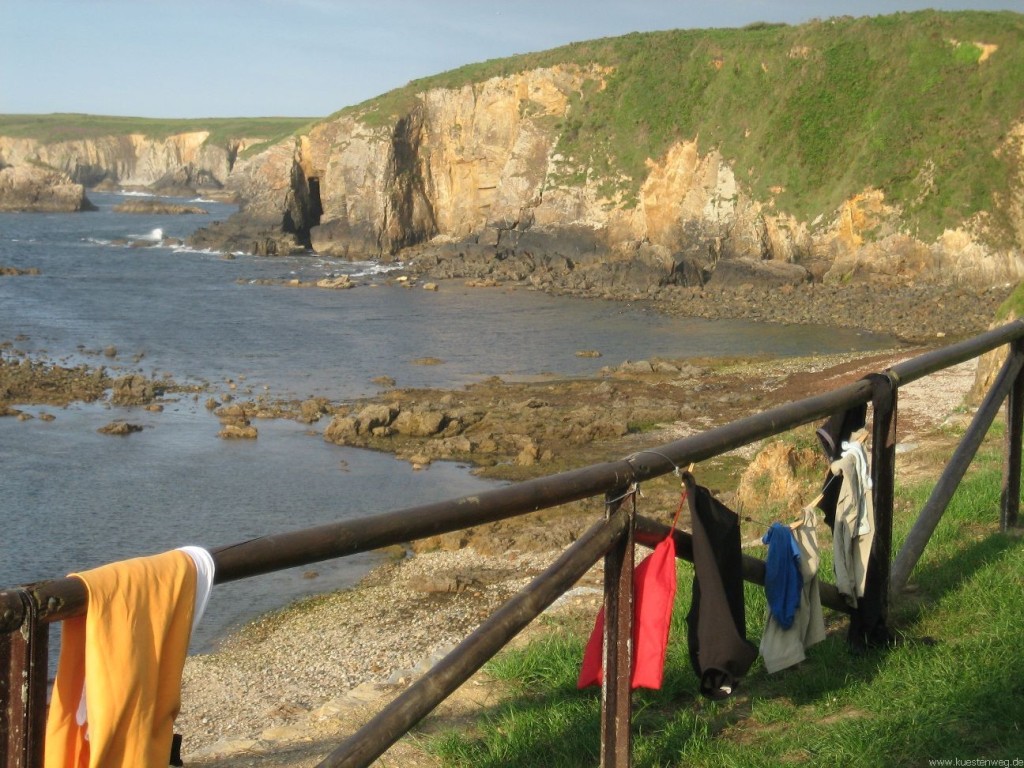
[782, 648]
[855, 512]
[860, 458]
[205, 568]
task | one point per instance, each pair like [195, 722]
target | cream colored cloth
[130, 650]
[782, 648]
[854, 529]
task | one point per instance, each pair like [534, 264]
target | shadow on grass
[934, 579]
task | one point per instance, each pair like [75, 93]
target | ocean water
[71, 498]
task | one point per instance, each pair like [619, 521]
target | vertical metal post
[1009, 505]
[883, 479]
[23, 660]
[617, 654]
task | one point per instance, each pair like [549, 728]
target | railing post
[1010, 498]
[23, 667]
[949, 481]
[884, 398]
[617, 653]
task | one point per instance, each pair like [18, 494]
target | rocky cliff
[469, 182]
[841, 150]
[181, 161]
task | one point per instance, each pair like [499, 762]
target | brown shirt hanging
[719, 650]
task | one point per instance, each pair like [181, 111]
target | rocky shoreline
[916, 311]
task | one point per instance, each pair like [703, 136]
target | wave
[203, 251]
[153, 236]
[208, 251]
[133, 193]
[371, 268]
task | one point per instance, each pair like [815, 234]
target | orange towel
[130, 649]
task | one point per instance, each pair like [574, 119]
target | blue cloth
[783, 581]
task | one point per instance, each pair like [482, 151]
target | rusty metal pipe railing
[63, 598]
[370, 741]
[617, 640]
[945, 487]
[946, 357]
[1009, 496]
[23, 691]
[349, 537]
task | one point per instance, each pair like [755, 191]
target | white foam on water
[370, 268]
[155, 235]
[201, 251]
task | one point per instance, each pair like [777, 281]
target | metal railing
[27, 611]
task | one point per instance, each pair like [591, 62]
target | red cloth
[654, 592]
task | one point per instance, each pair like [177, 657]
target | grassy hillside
[912, 103]
[72, 127]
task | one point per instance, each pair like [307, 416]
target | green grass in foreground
[959, 694]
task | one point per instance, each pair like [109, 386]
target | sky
[309, 58]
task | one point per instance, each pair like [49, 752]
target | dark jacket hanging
[832, 434]
[719, 650]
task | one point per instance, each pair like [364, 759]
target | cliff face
[458, 163]
[129, 160]
[475, 173]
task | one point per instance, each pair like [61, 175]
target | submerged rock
[134, 389]
[161, 207]
[238, 431]
[119, 428]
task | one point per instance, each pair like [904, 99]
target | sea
[72, 498]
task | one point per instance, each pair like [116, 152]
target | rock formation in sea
[44, 190]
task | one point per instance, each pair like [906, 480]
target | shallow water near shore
[86, 498]
[71, 498]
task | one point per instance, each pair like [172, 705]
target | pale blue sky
[226, 58]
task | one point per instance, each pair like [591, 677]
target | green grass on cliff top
[824, 110]
[75, 127]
